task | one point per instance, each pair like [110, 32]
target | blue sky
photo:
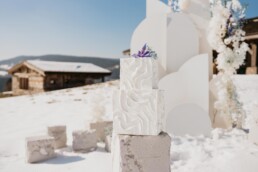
[100, 28]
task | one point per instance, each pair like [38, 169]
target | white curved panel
[152, 31]
[188, 119]
[199, 12]
[156, 7]
[190, 85]
[182, 41]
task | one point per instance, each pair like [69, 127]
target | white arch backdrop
[179, 39]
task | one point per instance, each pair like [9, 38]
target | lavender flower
[145, 52]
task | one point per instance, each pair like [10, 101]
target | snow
[3, 73]
[25, 116]
[52, 66]
[5, 66]
[224, 151]
[3, 69]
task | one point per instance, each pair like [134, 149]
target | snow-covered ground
[25, 116]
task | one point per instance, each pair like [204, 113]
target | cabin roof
[65, 67]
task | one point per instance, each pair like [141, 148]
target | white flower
[170, 2]
[227, 41]
[245, 47]
[238, 52]
[222, 34]
[236, 5]
[243, 33]
[229, 58]
[238, 32]
[184, 4]
[221, 48]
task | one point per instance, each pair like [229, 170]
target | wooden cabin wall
[54, 81]
[26, 80]
[36, 83]
[15, 85]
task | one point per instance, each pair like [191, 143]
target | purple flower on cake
[145, 52]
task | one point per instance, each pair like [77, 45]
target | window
[24, 83]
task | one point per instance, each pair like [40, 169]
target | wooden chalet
[37, 76]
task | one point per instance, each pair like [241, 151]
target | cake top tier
[138, 73]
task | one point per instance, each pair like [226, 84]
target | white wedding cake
[139, 104]
[139, 118]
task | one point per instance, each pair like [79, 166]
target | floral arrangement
[145, 52]
[226, 37]
[174, 4]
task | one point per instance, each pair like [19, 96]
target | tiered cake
[139, 119]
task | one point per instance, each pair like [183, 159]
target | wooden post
[254, 55]
[253, 68]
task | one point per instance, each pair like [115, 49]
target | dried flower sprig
[146, 51]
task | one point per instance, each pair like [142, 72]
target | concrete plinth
[103, 128]
[59, 134]
[141, 153]
[84, 141]
[40, 148]
[253, 132]
[108, 142]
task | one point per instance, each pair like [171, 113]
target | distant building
[127, 52]
[37, 76]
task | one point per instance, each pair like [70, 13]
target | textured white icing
[138, 73]
[138, 112]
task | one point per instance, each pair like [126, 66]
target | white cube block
[84, 140]
[40, 148]
[253, 131]
[138, 73]
[59, 134]
[108, 142]
[141, 153]
[253, 134]
[103, 128]
[138, 112]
